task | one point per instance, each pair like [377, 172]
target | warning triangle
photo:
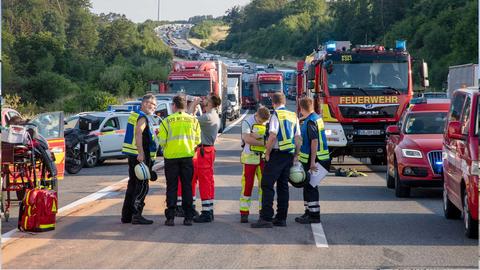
[54, 207]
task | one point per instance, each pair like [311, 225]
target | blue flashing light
[439, 162]
[331, 46]
[401, 45]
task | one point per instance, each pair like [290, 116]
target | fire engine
[358, 92]
[266, 84]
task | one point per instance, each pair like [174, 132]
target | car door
[109, 137]
[453, 168]
[50, 126]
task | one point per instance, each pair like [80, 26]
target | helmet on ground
[297, 176]
[142, 172]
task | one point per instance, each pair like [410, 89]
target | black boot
[140, 220]
[204, 217]
[243, 218]
[279, 222]
[195, 212]
[303, 218]
[170, 215]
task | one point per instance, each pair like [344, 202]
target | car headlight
[410, 153]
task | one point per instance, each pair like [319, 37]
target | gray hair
[148, 97]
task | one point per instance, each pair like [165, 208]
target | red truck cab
[461, 160]
[414, 148]
[266, 85]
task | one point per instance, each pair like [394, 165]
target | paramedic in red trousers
[204, 158]
[282, 149]
[178, 136]
[314, 149]
[252, 158]
[139, 145]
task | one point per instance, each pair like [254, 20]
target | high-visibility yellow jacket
[322, 148]
[286, 134]
[179, 134]
[129, 144]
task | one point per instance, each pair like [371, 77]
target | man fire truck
[358, 92]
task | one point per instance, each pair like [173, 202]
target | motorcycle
[80, 144]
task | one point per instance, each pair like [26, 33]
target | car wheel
[400, 190]
[390, 179]
[450, 211]
[470, 225]
[91, 158]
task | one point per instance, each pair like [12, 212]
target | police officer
[179, 134]
[253, 138]
[282, 148]
[314, 149]
[139, 145]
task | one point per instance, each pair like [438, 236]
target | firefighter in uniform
[253, 137]
[139, 145]
[178, 136]
[282, 148]
[314, 149]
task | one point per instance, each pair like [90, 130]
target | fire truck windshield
[189, 87]
[270, 87]
[372, 78]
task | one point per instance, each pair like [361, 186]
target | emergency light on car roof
[331, 46]
[123, 108]
[401, 45]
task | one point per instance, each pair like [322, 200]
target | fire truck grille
[369, 111]
[435, 159]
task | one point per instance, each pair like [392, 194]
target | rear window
[425, 123]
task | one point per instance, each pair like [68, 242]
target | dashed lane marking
[319, 235]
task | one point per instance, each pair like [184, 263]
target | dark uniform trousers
[310, 194]
[179, 168]
[276, 170]
[136, 189]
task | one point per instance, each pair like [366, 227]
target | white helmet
[297, 175]
[142, 172]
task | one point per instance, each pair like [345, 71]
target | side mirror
[107, 129]
[454, 131]
[393, 130]
[424, 73]
[311, 72]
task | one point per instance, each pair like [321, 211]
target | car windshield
[72, 122]
[425, 123]
[189, 87]
[368, 78]
[270, 87]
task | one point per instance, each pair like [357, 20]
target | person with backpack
[252, 158]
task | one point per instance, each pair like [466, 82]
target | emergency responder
[282, 148]
[314, 149]
[140, 146]
[179, 134]
[253, 143]
[204, 158]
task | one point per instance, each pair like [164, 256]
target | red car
[414, 148]
[461, 160]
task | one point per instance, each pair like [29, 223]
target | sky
[141, 10]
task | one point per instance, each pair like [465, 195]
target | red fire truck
[200, 78]
[358, 92]
[266, 84]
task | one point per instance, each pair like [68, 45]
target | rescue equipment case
[38, 210]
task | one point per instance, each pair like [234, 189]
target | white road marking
[319, 235]
[236, 122]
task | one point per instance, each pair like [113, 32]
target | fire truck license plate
[369, 132]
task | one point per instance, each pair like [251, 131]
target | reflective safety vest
[286, 134]
[249, 153]
[322, 149]
[259, 130]
[179, 135]
[129, 144]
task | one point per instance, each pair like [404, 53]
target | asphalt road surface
[363, 226]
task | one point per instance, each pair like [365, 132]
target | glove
[153, 176]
